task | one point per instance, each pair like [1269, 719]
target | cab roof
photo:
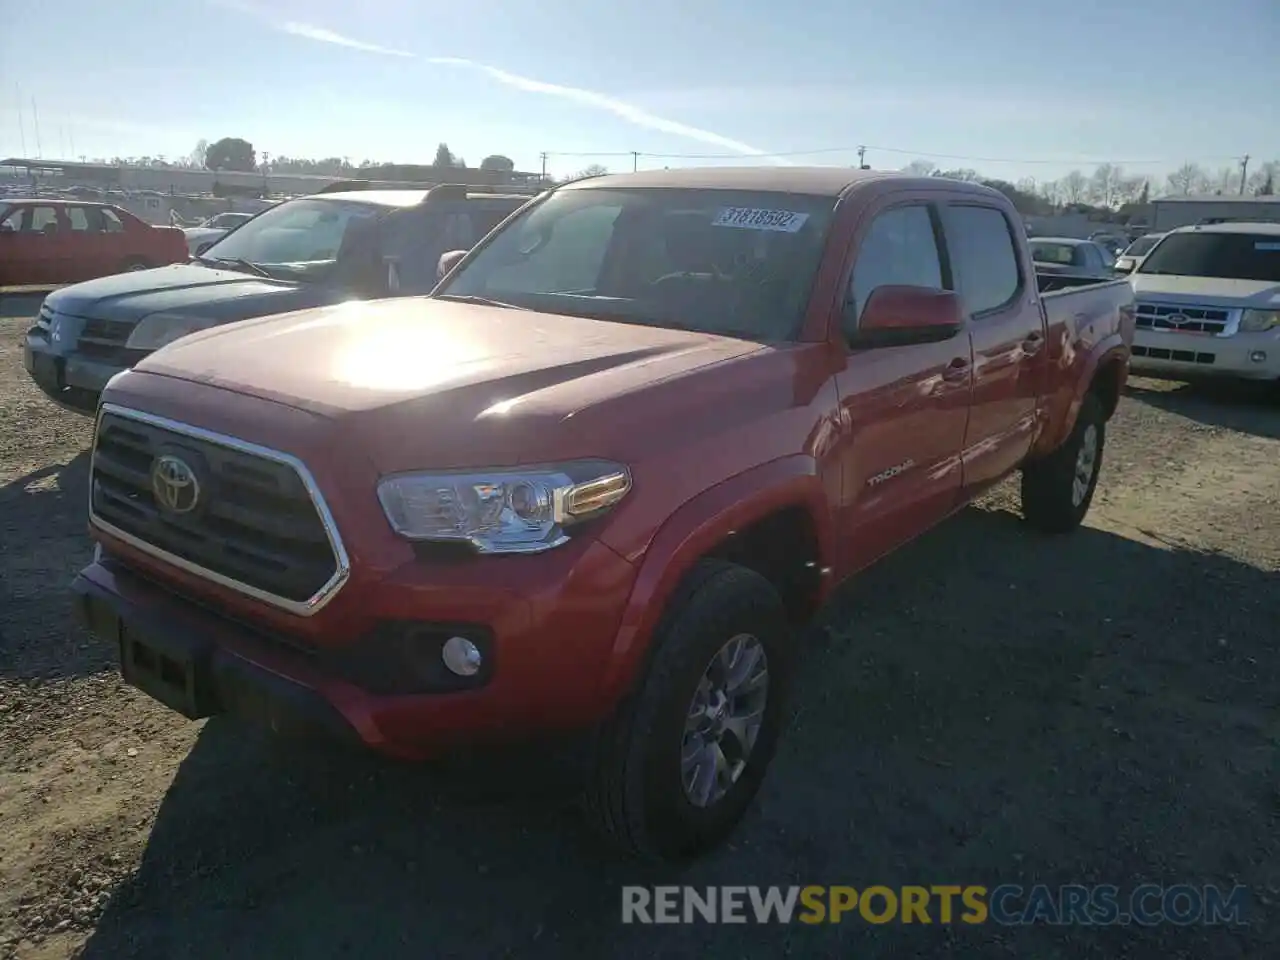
[1264, 227]
[815, 181]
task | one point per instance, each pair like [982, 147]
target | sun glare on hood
[403, 358]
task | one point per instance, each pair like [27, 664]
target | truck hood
[418, 382]
[1207, 291]
[186, 288]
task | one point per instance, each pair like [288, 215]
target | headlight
[162, 328]
[1258, 321]
[504, 510]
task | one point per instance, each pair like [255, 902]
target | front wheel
[677, 767]
[1057, 491]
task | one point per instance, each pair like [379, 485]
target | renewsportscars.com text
[1007, 904]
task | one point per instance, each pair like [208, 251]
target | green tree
[498, 162]
[444, 156]
[230, 153]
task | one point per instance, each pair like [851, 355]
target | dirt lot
[986, 707]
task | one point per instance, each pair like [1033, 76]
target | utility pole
[36, 114]
[635, 160]
[1244, 170]
[22, 127]
[543, 155]
[862, 153]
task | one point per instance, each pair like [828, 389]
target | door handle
[1032, 344]
[957, 369]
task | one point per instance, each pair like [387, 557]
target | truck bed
[1071, 300]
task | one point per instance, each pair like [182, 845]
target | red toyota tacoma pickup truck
[596, 477]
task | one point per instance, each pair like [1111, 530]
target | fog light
[1258, 356]
[461, 656]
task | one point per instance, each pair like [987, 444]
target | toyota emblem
[174, 485]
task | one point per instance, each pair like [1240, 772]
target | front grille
[115, 332]
[1182, 356]
[45, 319]
[253, 523]
[1156, 316]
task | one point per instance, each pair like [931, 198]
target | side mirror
[896, 316]
[448, 261]
[200, 250]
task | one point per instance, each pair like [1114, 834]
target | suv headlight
[160, 329]
[1259, 321]
[503, 510]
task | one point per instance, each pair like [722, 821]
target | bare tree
[1105, 185]
[590, 170]
[1187, 179]
[1225, 180]
[1130, 190]
[963, 173]
[1266, 172]
[920, 168]
[198, 154]
[1074, 185]
[1050, 191]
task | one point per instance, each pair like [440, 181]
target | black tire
[635, 796]
[1049, 501]
[134, 263]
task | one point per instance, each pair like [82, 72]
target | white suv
[1208, 303]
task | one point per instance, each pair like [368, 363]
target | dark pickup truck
[595, 478]
[306, 252]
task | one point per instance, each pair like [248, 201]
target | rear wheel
[679, 764]
[134, 264]
[1057, 491]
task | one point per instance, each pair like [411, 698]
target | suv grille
[107, 331]
[248, 521]
[1156, 316]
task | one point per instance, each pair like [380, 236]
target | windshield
[1059, 253]
[300, 238]
[724, 262]
[1225, 256]
[1141, 246]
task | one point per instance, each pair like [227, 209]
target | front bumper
[1252, 356]
[544, 663]
[69, 379]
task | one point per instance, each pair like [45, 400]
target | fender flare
[689, 533]
[1104, 352]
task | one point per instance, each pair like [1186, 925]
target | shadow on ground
[1243, 406]
[985, 707]
[43, 543]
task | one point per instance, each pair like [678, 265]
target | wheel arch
[746, 507]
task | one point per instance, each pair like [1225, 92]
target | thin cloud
[619, 108]
[587, 98]
[328, 36]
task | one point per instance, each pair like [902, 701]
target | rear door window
[983, 256]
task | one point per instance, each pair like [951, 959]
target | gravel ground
[987, 706]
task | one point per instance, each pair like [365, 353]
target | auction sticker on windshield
[750, 218]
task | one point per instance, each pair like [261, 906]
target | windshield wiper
[243, 264]
[479, 301]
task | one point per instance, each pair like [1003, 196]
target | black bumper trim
[175, 658]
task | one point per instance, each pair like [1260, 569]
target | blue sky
[1048, 86]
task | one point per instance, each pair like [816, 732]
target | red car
[52, 242]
